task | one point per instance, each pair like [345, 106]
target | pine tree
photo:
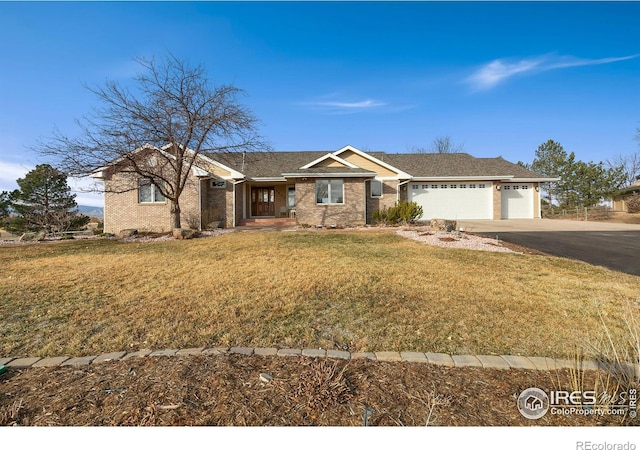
[44, 200]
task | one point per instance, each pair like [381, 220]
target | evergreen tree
[44, 200]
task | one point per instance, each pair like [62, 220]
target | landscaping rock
[443, 225]
[127, 233]
[184, 233]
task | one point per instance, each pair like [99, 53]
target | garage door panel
[517, 201]
[453, 200]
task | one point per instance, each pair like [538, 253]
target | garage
[517, 201]
[453, 200]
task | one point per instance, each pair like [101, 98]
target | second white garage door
[517, 201]
[453, 200]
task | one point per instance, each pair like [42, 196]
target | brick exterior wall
[122, 209]
[352, 212]
[388, 200]
[497, 200]
[217, 204]
[536, 200]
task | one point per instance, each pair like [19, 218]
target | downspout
[365, 201]
[235, 183]
[398, 190]
[200, 204]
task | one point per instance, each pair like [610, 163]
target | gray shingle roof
[267, 164]
[456, 165]
[274, 164]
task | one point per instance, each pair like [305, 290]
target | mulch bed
[227, 391]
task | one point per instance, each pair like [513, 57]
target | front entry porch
[268, 222]
[273, 200]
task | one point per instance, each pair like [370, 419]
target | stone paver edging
[504, 362]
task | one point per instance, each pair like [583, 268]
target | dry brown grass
[361, 291]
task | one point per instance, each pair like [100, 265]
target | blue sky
[500, 78]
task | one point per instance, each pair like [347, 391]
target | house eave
[465, 178]
[534, 180]
[267, 179]
[330, 175]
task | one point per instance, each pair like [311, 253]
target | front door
[263, 201]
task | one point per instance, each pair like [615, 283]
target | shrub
[633, 203]
[403, 212]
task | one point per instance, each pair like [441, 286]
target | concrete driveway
[612, 245]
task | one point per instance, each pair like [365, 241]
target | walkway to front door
[263, 201]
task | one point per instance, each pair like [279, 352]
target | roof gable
[329, 160]
[369, 162]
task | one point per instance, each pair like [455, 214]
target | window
[425, 186]
[376, 188]
[149, 192]
[454, 186]
[472, 186]
[414, 186]
[506, 187]
[525, 187]
[481, 186]
[291, 196]
[443, 186]
[330, 191]
[218, 184]
[434, 186]
[463, 186]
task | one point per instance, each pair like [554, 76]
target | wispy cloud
[365, 104]
[10, 172]
[500, 70]
[344, 107]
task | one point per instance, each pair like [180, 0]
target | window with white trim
[481, 186]
[330, 192]
[434, 186]
[149, 192]
[376, 188]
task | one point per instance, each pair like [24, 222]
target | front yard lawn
[350, 290]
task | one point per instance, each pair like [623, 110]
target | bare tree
[442, 144]
[630, 165]
[174, 108]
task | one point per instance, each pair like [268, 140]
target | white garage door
[517, 201]
[453, 200]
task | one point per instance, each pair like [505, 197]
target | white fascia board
[198, 172]
[329, 156]
[329, 175]
[268, 179]
[234, 173]
[483, 178]
[400, 173]
[98, 173]
[533, 180]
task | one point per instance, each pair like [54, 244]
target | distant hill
[91, 211]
